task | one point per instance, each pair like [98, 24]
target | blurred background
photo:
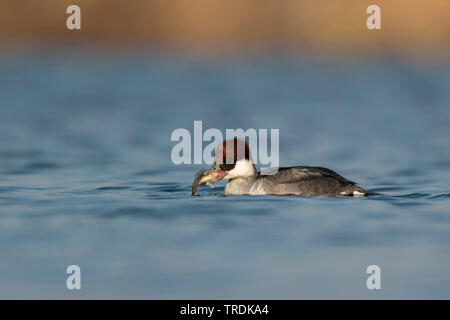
[415, 27]
[86, 176]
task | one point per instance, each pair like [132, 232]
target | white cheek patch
[243, 168]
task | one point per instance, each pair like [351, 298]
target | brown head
[234, 158]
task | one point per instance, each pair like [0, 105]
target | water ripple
[112, 188]
[441, 196]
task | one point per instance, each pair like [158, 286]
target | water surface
[86, 178]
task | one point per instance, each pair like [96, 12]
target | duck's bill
[210, 177]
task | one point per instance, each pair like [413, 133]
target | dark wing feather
[303, 173]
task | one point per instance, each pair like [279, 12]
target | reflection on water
[86, 179]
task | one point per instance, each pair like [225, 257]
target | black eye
[227, 167]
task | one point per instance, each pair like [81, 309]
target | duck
[233, 162]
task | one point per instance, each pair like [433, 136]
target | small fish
[206, 176]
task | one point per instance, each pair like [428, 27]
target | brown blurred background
[408, 27]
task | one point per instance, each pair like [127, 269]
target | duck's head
[232, 157]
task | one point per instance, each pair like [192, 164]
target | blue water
[86, 177]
